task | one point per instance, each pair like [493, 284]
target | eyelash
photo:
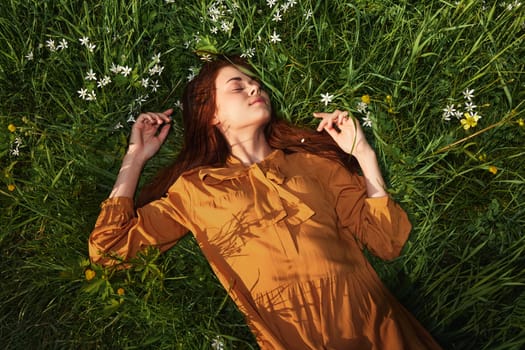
[241, 88]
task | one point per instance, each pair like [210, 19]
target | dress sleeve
[380, 224]
[123, 231]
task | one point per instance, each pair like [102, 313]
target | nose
[255, 88]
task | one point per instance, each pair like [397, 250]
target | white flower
[277, 17]
[84, 41]
[141, 99]
[29, 56]
[226, 27]
[63, 44]
[50, 44]
[169, 1]
[367, 121]
[82, 93]
[118, 126]
[274, 38]
[309, 14]
[178, 104]
[248, 53]
[326, 98]
[104, 81]
[469, 106]
[91, 96]
[191, 76]
[91, 75]
[125, 70]
[214, 30]
[217, 343]
[206, 57]
[15, 152]
[156, 69]
[215, 13]
[154, 85]
[91, 47]
[271, 3]
[458, 114]
[448, 112]
[131, 119]
[156, 58]
[285, 6]
[468, 94]
[115, 69]
[292, 3]
[361, 107]
[144, 82]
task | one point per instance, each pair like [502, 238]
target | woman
[280, 213]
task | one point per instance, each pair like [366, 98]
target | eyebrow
[233, 79]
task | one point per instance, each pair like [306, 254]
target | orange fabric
[284, 237]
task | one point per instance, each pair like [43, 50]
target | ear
[215, 121]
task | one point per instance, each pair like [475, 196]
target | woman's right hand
[148, 134]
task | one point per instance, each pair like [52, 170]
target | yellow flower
[482, 157]
[11, 128]
[120, 291]
[493, 169]
[11, 187]
[388, 99]
[521, 122]
[365, 99]
[90, 274]
[470, 121]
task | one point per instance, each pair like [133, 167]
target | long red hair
[204, 145]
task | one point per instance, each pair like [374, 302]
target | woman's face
[241, 104]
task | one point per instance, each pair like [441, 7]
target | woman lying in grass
[280, 212]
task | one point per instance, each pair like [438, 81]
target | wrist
[364, 152]
[134, 157]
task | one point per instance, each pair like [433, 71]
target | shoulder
[310, 162]
[324, 169]
[186, 181]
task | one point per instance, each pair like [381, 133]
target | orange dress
[284, 237]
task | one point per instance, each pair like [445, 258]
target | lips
[258, 100]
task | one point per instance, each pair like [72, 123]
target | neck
[251, 148]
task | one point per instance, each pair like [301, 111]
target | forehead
[228, 72]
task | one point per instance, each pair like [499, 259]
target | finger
[152, 119]
[321, 125]
[348, 118]
[329, 125]
[322, 115]
[341, 117]
[326, 123]
[332, 132]
[164, 132]
[166, 115]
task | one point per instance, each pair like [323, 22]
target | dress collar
[234, 168]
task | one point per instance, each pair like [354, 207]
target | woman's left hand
[345, 130]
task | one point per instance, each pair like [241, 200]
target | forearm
[128, 176]
[375, 185]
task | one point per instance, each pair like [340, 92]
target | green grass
[462, 273]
